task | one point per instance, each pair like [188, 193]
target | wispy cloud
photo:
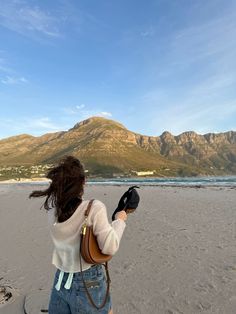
[206, 40]
[204, 108]
[201, 119]
[73, 110]
[41, 123]
[206, 49]
[32, 125]
[70, 111]
[105, 114]
[8, 76]
[94, 113]
[23, 18]
[9, 80]
[3, 66]
[149, 32]
[28, 19]
[82, 112]
[197, 78]
[80, 106]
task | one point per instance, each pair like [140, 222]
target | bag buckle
[83, 230]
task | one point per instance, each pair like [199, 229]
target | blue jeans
[75, 299]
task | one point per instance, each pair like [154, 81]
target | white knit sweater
[66, 235]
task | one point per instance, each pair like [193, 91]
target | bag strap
[108, 279]
[88, 208]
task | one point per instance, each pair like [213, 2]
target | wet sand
[177, 254]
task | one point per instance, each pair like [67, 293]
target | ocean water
[177, 181]
[227, 181]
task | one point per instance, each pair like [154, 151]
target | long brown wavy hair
[66, 188]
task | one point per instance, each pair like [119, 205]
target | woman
[66, 206]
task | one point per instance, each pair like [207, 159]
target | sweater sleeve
[108, 235]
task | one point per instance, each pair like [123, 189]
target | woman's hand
[121, 215]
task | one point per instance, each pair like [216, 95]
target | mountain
[107, 147]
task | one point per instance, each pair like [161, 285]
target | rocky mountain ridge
[106, 146]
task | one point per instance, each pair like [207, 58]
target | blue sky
[152, 65]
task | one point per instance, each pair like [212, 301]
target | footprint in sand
[129, 266]
[203, 306]
[7, 295]
[204, 287]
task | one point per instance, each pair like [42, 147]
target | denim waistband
[93, 270]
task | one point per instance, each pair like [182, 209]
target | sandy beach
[177, 254]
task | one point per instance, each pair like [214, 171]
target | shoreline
[196, 185]
[32, 180]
